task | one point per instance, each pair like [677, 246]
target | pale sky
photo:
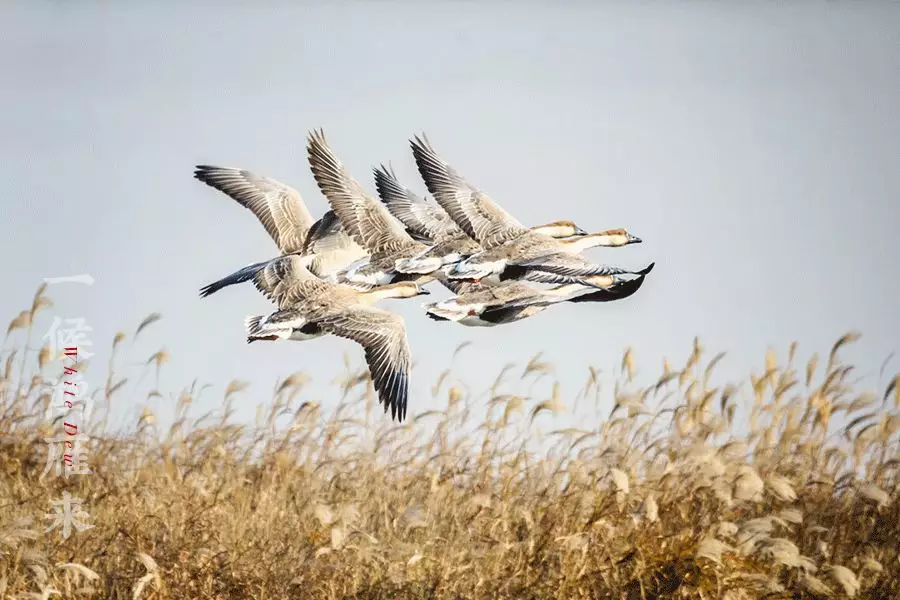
[755, 149]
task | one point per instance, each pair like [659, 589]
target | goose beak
[424, 292]
[633, 239]
[580, 231]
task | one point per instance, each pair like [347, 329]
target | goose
[534, 252]
[285, 217]
[489, 306]
[366, 220]
[549, 267]
[309, 307]
[504, 240]
[429, 223]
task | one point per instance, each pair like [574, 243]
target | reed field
[781, 486]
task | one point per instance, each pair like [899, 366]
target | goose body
[309, 307]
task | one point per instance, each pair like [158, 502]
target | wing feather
[570, 265]
[422, 218]
[383, 337]
[278, 207]
[475, 213]
[365, 219]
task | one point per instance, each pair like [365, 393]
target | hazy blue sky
[755, 149]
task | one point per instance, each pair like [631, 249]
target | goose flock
[331, 271]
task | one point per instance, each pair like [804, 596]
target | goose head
[560, 229]
[611, 238]
[615, 237]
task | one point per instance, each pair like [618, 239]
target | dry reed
[682, 490]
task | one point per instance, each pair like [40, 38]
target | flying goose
[309, 307]
[535, 258]
[429, 223]
[285, 217]
[489, 306]
[505, 241]
[366, 220]
[536, 252]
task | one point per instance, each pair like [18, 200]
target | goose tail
[445, 311]
[258, 328]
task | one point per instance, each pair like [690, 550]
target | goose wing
[287, 280]
[368, 222]
[475, 213]
[278, 207]
[424, 219]
[332, 247]
[545, 277]
[570, 265]
[383, 337]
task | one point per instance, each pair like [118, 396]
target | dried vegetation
[783, 487]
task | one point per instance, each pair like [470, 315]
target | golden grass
[783, 488]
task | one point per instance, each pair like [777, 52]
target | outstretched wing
[368, 222]
[476, 214]
[277, 206]
[422, 218]
[383, 337]
[571, 265]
